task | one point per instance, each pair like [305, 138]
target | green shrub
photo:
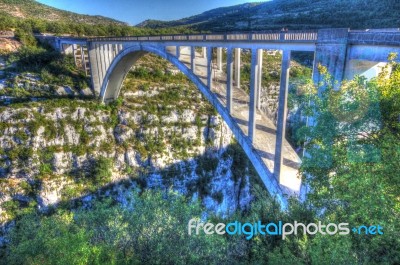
[102, 171]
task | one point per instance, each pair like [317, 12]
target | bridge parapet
[388, 37]
[382, 38]
[292, 36]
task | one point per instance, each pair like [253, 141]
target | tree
[149, 229]
[351, 166]
[353, 156]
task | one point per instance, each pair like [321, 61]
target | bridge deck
[265, 136]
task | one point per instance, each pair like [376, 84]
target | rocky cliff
[157, 136]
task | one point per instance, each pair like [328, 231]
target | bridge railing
[312, 36]
[370, 37]
[295, 36]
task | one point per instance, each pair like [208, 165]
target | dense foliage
[52, 69]
[151, 229]
[352, 162]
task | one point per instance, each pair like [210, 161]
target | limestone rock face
[9, 44]
[61, 162]
[122, 133]
[56, 149]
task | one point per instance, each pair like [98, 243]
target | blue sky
[135, 11]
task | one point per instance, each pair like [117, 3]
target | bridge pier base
[282, 113]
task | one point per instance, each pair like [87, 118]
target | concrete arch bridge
[345, 53]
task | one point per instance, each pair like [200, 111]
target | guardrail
[372, 37]
[292, 36]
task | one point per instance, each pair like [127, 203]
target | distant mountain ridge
[292, 14]
[26, 9]
[205, 16]
[272, 15]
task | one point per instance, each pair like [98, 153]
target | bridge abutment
[331, 50]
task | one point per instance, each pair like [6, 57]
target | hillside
[293, 14]
[27, 16]
[28, 9]
[214, 14]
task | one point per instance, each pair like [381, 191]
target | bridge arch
[122, 63]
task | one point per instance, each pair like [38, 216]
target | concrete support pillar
[103, 62]
[83, 60]
[178, 52]
[259, 77]
[209, 67]
[110, 53]
[96, 67]
[219, 59]
[74, 48]
[282, 112]
[99, 63]
[204, 52]
[106, 58]
[92, 51]
[253, 94]
[193, 58]
[229, 86]
[237, 67]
